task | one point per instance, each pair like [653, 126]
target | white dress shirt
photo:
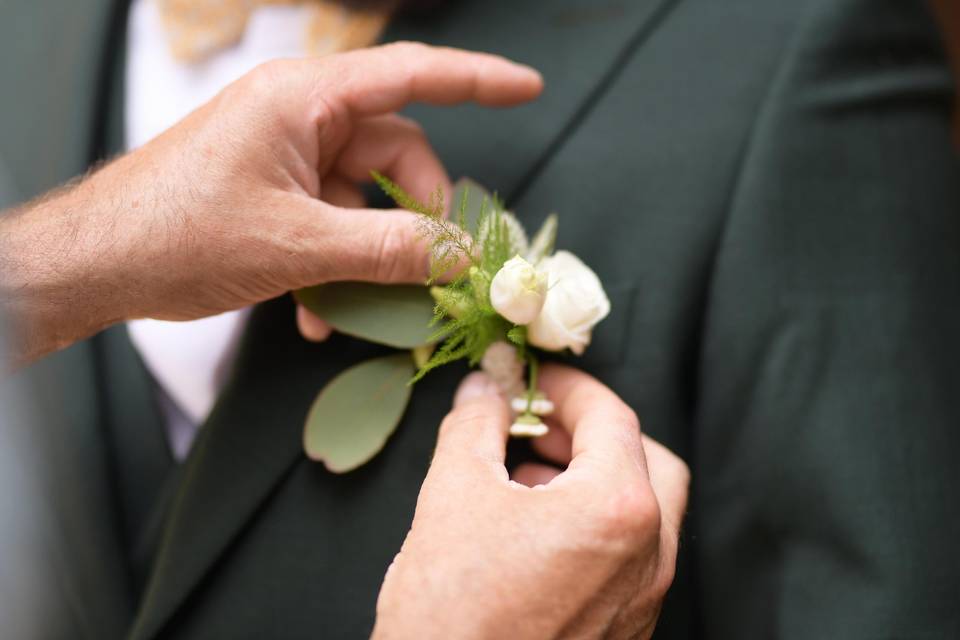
[189, 360]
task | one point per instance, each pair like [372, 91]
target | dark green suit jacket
[767, 190]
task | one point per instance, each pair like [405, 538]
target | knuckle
[263, 78]
[616, 409]
[630, 417]
[392, 253]
[261, 87]
[407, 57]
[627, 419]
[681, 471]
[632, 517]
[410, 127]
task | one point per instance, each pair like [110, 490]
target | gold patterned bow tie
[198, 28]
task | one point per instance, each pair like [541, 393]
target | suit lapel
[576, 44]
[251, 439]
[141, 457]
[253, 436]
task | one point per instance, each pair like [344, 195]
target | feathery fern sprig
[466, 324]
[431, 209]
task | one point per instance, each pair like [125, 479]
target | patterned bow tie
[198, 28]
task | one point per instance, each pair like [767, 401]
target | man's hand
[589, 554]
[248, 197]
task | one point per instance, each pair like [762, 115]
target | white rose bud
[518, 290]
[575, 303]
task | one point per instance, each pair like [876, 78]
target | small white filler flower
[528, 426]
[539, 406]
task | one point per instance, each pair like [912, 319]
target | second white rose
[575, 303]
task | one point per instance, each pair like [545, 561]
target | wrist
[424, 602]
[53, 289]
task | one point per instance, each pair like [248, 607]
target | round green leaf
[353, 416]
[398, 316]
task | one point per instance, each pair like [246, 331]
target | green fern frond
[518, 336]
[462, 212]
[464, 322]
[404, 200]
[497, 244]
[451, 245]
[467, 337]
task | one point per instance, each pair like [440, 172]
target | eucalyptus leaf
[398, 316]
[353, 416]
[421, 355]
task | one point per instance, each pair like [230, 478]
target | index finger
[605, 431]
[384, 79]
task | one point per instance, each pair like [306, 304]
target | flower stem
[532, 388]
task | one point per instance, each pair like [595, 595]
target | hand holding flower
[506, 297]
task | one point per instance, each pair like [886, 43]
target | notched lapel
[250, 440]
[253, 437]
[575, 44]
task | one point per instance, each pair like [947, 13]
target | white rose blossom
[518, 290]
[574, 304]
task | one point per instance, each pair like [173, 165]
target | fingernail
[476, 385]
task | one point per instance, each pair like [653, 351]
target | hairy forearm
[58, 269]
[221, 211]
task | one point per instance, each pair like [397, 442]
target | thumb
[477, 427]
[372, 245]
